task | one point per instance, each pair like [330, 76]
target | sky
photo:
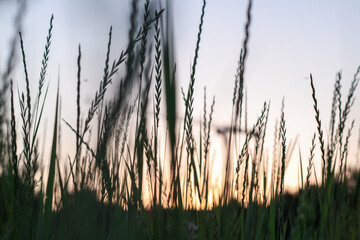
[288, 41]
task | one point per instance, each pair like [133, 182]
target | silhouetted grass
[150, 187]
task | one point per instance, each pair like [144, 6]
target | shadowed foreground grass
[122, 189]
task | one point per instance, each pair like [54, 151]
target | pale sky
[288, 40]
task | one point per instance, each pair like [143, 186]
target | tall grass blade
[46, 223]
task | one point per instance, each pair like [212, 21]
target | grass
[147, 187]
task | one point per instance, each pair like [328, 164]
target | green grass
[147, 187]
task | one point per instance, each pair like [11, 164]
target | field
[153, 180]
